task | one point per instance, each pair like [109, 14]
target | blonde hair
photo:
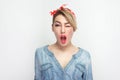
[70, 16]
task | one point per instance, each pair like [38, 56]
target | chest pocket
[46, 71]
[78, 72]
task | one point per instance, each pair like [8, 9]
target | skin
[62, 27]
[62, 52]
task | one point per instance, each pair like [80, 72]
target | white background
[26, 25]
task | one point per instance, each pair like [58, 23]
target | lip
[63, 39]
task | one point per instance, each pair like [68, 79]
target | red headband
[60, 8]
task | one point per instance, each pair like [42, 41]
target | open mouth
[63, 39]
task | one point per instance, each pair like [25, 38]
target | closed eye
[68, 25]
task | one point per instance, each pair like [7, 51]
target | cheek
[56, 33]
[70, 33]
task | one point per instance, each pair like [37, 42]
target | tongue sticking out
[63, 39]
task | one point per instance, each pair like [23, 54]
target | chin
[64, 45]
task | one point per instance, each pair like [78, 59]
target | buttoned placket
[63, 70]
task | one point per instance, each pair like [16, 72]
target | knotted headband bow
[60, 8]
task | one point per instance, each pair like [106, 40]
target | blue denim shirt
[48, 68]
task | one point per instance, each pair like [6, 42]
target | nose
[63, 29]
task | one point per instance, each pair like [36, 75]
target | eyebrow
[60, 22]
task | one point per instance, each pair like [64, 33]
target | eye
[68, 25]
[56, 25]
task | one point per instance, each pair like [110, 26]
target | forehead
[61, 18]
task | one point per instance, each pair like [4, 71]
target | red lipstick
[63, 39]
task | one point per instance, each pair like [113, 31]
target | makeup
[63, 39]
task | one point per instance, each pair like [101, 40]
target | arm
[88, 72]
[37, 67]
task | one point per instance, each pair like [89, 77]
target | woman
[62, 60]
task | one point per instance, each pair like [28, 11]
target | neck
[64, 48]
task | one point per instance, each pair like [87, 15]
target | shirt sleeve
[37, 67]
[88, 72]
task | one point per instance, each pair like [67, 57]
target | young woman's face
[62, 30]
